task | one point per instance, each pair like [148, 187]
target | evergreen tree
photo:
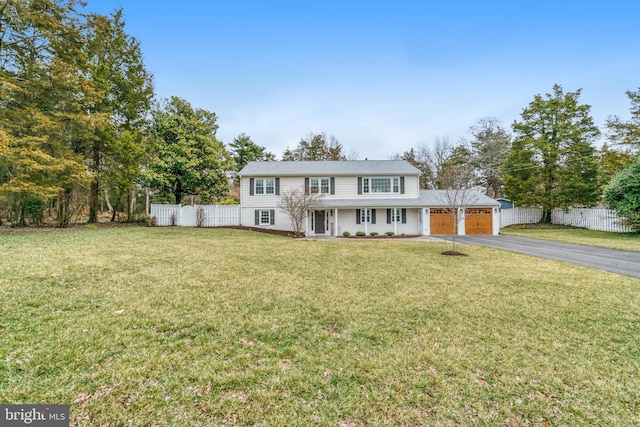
[124, 92]
[551, 162]
[316, 147]
[189, 160]
[627, 133]
[42, 118]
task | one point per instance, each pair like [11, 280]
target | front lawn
[580, 236]
[179, 326]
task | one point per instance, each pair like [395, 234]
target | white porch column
[395, 222]
[306, 224]
[462, 223]
[366, 211]
[335, 222]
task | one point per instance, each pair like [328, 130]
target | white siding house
[362, 195]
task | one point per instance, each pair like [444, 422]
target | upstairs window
[265, 186]
[381, 185]
[319, 186]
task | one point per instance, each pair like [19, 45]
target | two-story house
[361, 195]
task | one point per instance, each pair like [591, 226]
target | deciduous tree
[296, 204]
[489, 148]
[457, 192]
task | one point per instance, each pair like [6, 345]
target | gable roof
[328, 167]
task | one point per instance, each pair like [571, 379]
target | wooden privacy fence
[196, 216]
[593, 219]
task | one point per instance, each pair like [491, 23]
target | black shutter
[402, 185]
[257, 217]
[388, 216]
[373, 216]
[332, 182]
[273, 216]
[359, 185]
[251, 185]
[357, 216]
[306, 186]
[404, 216]
[277, 186]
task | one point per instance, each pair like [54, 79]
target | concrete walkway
[613, 260]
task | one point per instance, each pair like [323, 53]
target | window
[395, 215]
[265, 186]
[365, 215]
[265, 218]
[319, 186]
[381, 185]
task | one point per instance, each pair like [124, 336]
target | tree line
[81, 133]
[548, 159]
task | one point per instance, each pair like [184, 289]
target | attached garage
[441, 221]
[478, 221]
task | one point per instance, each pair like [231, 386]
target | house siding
[344, 192]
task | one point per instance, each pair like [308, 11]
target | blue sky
[382, 76]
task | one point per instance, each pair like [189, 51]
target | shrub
[346, 234]
[201, 217]
[173, 221]
[374, 233]
[360, 233]
[389, 233]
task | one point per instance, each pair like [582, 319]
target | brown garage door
[478, 221]
[441, 221]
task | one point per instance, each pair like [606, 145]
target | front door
[319, 220]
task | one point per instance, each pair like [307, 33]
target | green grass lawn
[178, 326]
[580, 236]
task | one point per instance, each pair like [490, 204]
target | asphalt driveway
[613, 260]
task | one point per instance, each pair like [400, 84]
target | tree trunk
[64, 201]
[546, 216]
[22, 222]
[131, 203]
[147, 205]
[93, 201]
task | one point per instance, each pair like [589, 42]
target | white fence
[593, 219]
[198, 215]
[520, 216]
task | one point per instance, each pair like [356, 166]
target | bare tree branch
[296, 204]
